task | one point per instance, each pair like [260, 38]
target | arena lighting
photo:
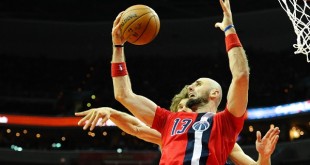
[56, 145]
[16, 148]
[3, 119]
[252, 114]
[277, 111]
[43, 121]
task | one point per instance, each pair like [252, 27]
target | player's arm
[237, 97]
[124, 121]
[237, 156]
[265, 147]
[135, 127]
[139, 106]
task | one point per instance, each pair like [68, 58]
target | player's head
[177, 99]
[182, 106]
[204, 91]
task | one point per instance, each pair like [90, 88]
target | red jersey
[196, 138]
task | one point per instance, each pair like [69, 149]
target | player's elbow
[242, 77]
[134, 132]
[240, 70]
[121, 96]
[126, 99]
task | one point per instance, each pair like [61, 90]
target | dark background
[55, 54]
[59, 52]
[96, 10]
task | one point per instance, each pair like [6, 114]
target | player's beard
[194, 103]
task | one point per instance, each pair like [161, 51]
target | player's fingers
[218, 25]
[117, 35]
[258, 136]
[117, 30]
[101, 122]
[88, 123]
[104, 120]
[275, 131]
[269, 133]
[275, 139]
[227, 2]
[83, 113]
[117, 19]
[274, 143]
[84, 119]
[94, 122]
[115, 22]
[278, 132]
[223, 6]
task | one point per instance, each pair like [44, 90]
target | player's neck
[206, 108]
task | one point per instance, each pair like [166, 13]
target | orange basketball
[139, 24]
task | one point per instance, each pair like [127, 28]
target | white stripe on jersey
[203, 126]
[197, 148]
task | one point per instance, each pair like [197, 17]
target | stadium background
[55, 56]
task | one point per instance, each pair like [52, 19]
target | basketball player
[133, 126]
[204, 137]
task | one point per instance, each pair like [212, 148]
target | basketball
[139, 24]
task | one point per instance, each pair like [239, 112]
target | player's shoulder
[159, 108]
[184, 114]
[223, 110]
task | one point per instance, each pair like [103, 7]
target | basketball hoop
[297, 13]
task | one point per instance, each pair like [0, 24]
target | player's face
[198, 92]
[182, 107]
[199, 89]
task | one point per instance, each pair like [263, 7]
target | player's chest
[184, 125]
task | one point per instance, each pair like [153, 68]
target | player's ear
[214, 93]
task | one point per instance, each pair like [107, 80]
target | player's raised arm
[237, 97]
[139, 106]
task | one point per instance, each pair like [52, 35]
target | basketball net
[297, 13]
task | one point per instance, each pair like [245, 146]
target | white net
[298, 11]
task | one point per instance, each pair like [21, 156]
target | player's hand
[266, 145]
[227, 15]
[117, 38]
[92, 116]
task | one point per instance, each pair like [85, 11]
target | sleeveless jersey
[196, 138]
